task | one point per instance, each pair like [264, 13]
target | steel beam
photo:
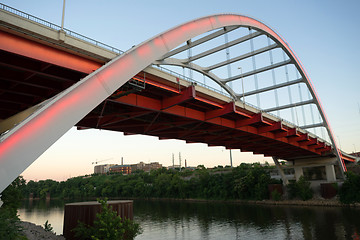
[257, 118]
[186, 95]
[221, 47]
[315, 125]
[273, 87]
[199, 41]
[289, 106]
[259, 70]
[241, 57]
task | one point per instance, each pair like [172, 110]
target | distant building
[102, 169]
[124, 169]
[147, 167]
[174, 167]
[138, 166]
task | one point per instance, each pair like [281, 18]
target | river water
[209, 220]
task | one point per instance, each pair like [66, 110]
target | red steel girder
[292, 132]
[247, 125]
[277, 126]
[255, 119]
[31, 49]
[185, 95]
[226, 109]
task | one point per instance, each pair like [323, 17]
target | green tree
[300, 189]
[10, 228]
[350, 190]
[251, 182]
[108, 226]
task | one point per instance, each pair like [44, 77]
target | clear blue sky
[324, 35]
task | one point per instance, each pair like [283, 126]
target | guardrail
[58, 28]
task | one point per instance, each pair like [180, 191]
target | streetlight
[63, 15]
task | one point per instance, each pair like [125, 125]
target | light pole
[63, 15]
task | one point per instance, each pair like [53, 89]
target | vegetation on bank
[247, 181]
[350, 190]
[10, 228]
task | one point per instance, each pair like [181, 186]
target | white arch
[23, 144]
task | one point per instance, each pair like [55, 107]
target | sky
[323, 34]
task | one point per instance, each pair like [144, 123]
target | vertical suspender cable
[312, 113]
[301, 98]
[322, 129]
[254, 68]
[289, 91]
[189, 57]
[228, 58]
[274, 78]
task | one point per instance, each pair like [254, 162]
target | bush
[300, 189]
[350, 190]
[48, 227]
[275, 195]
[251, 182]
[10, 228]
[108, 226]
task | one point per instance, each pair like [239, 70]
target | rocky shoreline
[35, 232]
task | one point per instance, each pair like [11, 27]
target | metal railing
[58, 28]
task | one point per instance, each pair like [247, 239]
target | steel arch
[29, 139]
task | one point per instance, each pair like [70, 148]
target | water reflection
[40, 211]
[202, 220]
[184, 220]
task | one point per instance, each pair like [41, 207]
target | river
[209, 220]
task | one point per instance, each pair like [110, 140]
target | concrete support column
[330, 173]
[278, 166]
[298, 172]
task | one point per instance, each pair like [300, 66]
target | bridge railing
[58, 28]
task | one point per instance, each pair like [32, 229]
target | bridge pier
[330, 173]
[328, 163]
[281, 171]
[298, 172]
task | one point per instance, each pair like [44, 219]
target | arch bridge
[230, 81]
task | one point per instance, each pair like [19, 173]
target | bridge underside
[162, 110]
[158, 107]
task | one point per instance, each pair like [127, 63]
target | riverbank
[316, 201]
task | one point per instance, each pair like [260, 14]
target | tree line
[247, 181]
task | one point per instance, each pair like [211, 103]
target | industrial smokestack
[122, 161]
